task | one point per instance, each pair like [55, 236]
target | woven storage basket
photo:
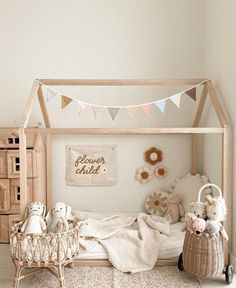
[203, 256]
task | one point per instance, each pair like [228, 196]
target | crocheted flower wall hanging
[144, 174]
[160, 171]
[153, 156]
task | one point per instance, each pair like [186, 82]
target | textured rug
[107, 277]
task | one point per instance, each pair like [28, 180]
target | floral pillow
[156, 203]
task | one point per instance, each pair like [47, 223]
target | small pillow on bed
[189, 186]
[156, 203]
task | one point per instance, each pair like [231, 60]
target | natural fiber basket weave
[203, 256]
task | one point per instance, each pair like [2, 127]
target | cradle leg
[61, 276]
[17, 277]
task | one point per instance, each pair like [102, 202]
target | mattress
[170, 249]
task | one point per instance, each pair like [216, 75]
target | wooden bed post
[49, 170]
[23, 172]
[196, 124]
[226, 159]
[22, 145]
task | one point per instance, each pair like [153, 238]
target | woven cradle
[43, 250]
[203, 256]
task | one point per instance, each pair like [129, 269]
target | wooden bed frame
[194, 131]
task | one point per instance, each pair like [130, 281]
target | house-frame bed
[194, 131]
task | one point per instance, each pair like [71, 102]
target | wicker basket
[52, 250]
[203, 256]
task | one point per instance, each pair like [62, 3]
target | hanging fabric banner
[51, 94]
[95, 111]
[82, 106]
[146, 109]
[65, 101]
[161, 104]
[192, 93]
[113, 112]
[130, 111]
[176, 99]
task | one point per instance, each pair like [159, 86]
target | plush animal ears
[39, 203]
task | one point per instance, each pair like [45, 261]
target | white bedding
[170, 249]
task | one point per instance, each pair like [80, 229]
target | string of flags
[113, 110]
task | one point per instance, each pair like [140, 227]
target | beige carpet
[106, 277]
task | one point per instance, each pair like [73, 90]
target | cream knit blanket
[132, 246]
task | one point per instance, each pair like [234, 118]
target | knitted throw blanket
[132, 243]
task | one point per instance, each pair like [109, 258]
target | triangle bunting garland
[65, 101]
[113, 112]
[161, 104]
[82, 106]
[51, 94]
[95, 111]
[146, 109]
[130, 111]
[192, 93]
[176, 99]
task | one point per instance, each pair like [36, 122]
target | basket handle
[208, 185]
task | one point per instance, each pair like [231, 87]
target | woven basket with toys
[203, 250]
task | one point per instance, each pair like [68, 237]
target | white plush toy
[199, 226]
[34, 218]
[57, 218]
[216, 208]
[213, 229]
[199, 209]
[189, 218]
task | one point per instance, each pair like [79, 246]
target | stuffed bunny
[34, 218]
[57, 218]
[175, 207]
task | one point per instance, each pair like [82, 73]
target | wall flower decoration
[160, 171]
[153, 156]
[156, 203]
[144, 174]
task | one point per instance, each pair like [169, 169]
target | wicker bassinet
[52, 250]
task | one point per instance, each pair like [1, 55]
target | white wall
[103, 39]
[220, 59]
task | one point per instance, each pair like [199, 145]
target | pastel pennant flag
[113, 112]
[192, 93]
[82, 106]
[65, 101]
[146, 109]
[50, 94]
[176, 99]
[161, 104]
[95, 111]
[130, 111]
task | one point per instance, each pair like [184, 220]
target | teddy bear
[175, 207]
[215, 208]
[199, 226]
[57, 218]
[199, 209]
[188, 222]
[34, 218]
[214, 228]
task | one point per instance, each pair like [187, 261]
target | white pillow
[156, 203]
[189, 186]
